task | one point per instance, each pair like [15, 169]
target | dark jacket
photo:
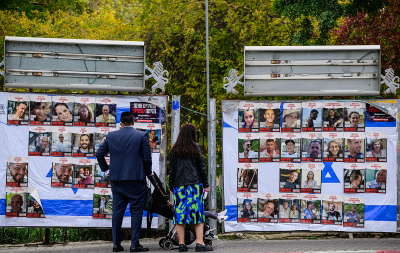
[130, 155]
[187, 171]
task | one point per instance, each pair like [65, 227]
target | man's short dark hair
[317, 141]
[126, 118]
[21, 102]
[270, 140]
[309, 203]
[287, 141]
[314, 111]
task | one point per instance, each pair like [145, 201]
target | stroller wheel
[208, 243]
[161, 242]
[168, 245]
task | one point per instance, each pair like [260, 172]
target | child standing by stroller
[102, 204]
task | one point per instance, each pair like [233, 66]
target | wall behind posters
[63, 207]
[380, 209]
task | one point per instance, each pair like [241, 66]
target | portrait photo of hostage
[376, 148]
[154, 139]
[17, 110]
[63, 108]
[310, 211]
[354, 180]
[102, 203]
[106, 115]
[311, 179]
[17, 171]
[270, 117]
[332, 212]
[16, 203]
[61, 142]
[333, 148]
[84, 114]
[289, 180]
[82, 144]
[354, 120]
[248, 150]
[289, 210]
[62, 172]
[101, 179]
[248, 119]
[40, 111]
[39, 142]
[312, 149]
[312, 120]
[354, 148]
[270, 149]
[247, 208]
[35, 210]
[375, 178]
[291, 120]
[247, 180]
[353, 214]
[83, 176]
[333, 119]
[268, 210]
[290, 149]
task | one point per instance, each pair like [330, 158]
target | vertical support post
[175, 127]
[163, 158]
[47, 236]
[212, 163]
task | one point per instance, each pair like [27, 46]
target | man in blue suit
[130, 163]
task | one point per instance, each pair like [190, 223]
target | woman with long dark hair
[187, 181]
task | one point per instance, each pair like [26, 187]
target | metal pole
[175, 127]
[212, 163]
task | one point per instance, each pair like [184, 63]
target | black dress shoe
[182, 248]
[118, 248]
[139, 248]
[202, 248]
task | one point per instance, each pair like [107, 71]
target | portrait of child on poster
[267, 207]
[61, 141]
[17, 171]
[290, 147]
[101, 179]
[35, 209]
[40, 110]
[84, 172]
[332, 210]
[311, 147]
[247, 177]
[269, 117]
[247, 207]
[248, 117]
[354, 177]
[18, 110]
[16, 201]
[106, 112]
[62, 172]
[354, 147]
[102, 203]
[311, 177]
[354, 117]
[353, 212]
[333, 147]
[289, 177]
[291, 117]
[248, 147]
[39, 140]
[62, 109]
[270, 146]
[82, 141]
[333, 116]
[376, 147]
[153, 131]
[289, 206]
[311, 117]
[310, 210]
[84, 111]
[375, 177]
[100, 136]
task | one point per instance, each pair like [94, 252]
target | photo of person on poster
[84, 176]
[270, 118]
[63, 112]
[19, 110]
[267, 209]
[18, 172]
[314, 149]
[291, 118]
[352, 215]
[284, 209]
[309, 212]
[354, 120]
[311, 119]
[43, 144]
[333, 117]
[247, 211]
[85, 144]
[247, 179]
[40, 111]
[60, 145]
[84, 113]
[355, 148]
[353, 179]
[379, 182]
[309, 181]
[34, 206]
[272, 149]
[17, 203]
[106, 114]
[246, 150]
[332, 214]
[249, 119]
[334, 148]
[376, 147]
[290, 149]
[291, 181]
[63, 172]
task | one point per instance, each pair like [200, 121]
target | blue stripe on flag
[369, 123]
[2, 206]
[381, 212]
[228, 126]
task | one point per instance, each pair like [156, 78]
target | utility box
[73, 64]
[312, 70]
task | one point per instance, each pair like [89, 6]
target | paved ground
[369, 245]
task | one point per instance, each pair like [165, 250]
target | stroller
[162, 206]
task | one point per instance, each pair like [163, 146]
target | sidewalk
[338, 245]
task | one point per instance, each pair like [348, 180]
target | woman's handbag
[148, 202]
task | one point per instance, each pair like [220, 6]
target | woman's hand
[207, 189]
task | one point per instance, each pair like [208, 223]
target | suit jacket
[130, 155]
